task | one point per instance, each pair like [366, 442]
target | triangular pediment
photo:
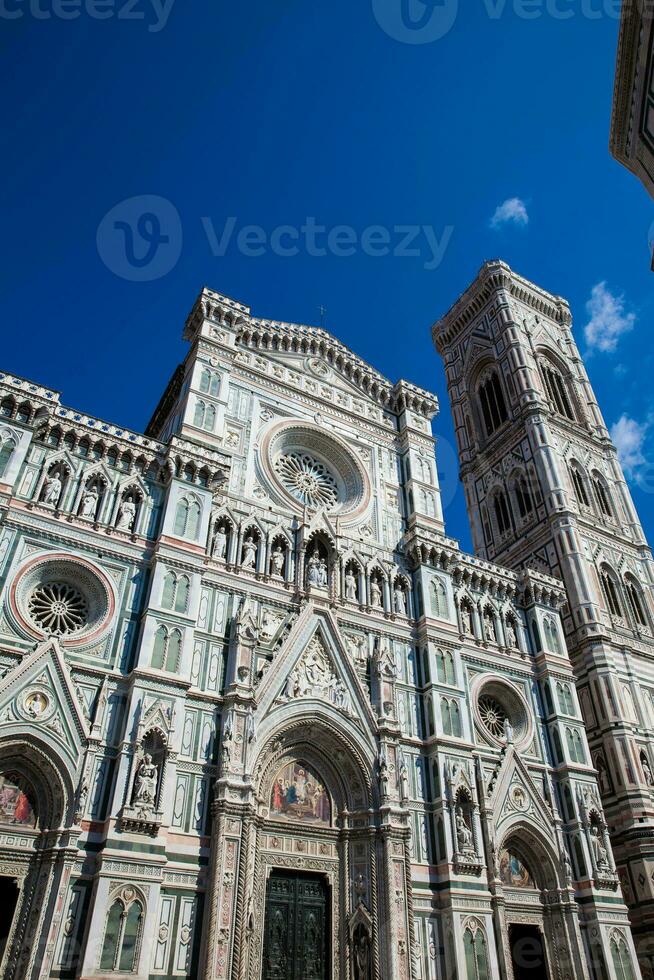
[515, 796]
[313, 665]
[38, 697]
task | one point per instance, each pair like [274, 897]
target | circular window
[499, 706]
[309, 480]
[304, 464]
[64, 596]
[492, 714]
[58, 608]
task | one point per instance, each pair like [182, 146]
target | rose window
[58, 608]
[307, 479]
[492, 714]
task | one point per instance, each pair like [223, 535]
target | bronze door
[296, 928]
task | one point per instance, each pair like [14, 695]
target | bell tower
[544, 489]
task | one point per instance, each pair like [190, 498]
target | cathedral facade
[262, 719]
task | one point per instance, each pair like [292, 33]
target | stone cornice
[494, 276]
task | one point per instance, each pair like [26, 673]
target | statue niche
[142, 813]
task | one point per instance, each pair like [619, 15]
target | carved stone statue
[375, 594]
[647, 772]
[292, 686]
[277, 560]
[250, 727]
[90, 499]
[403, 773]
[126, 515]
[323, 577]
[399, 597]
[509, 733]
[52, 490]
[146, 782]
[249, 552]
[600, 854]
[464, 838]
[361, 954]
[566, 866]
[351, 588]
[489, 623]
[466, 619]
[313, 570]
[219, 549]
[511, 638]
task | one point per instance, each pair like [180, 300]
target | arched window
[621, 958]
[575, 745]
[439, 593]
[451, 717]
[445, 667]
[557, 390]
[198, 416]
[502, 515]
[476, 955]
[169, 590]
[564, 696]
[579, 485]
[610, 589]
[167, 649]
[122, 937]
[210, 418]
[209, 382]
[635, 601]
[5, 455]
[602, 496]
[523, 497]
[182, 594]
[552, 635]
[187, 518]
[492, 404]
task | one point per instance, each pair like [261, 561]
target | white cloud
[608, 320]
[629, 438]
[513, 210]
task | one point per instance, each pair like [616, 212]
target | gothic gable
[38, 697]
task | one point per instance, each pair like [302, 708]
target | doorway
[527, 952]
[8, 902]
[296, 930]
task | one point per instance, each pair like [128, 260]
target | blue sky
[275, 114]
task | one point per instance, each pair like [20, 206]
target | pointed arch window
[575, 745]
[602, 497]
[523, 497]
[502, 513]
[445, 667]
[122, 937]
[579, 485]
[167, 649]
[476, 955]
[6, 452]
[451, 717]
[492, 404]
[187, 518]
[209, 382]
[552, 636]
[198, 416]
[439, 593]
[557, 391]
[621, 959]
[564, 696]
[610, 589]
[636, 602]
[175, 594]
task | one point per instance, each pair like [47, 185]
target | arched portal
[314, 863]
[36, 798]
[531, 920]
